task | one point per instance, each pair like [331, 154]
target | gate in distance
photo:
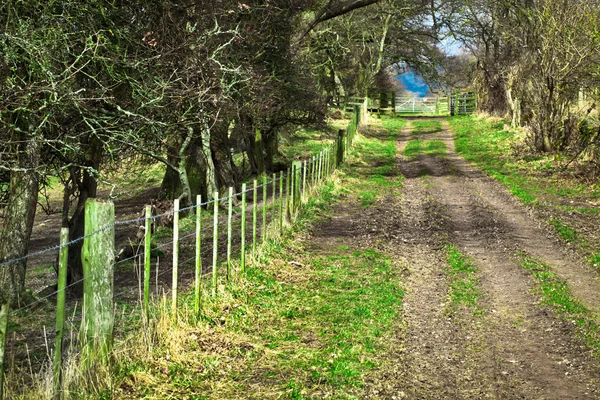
[456, 104]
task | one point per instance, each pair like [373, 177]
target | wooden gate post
[97, 256]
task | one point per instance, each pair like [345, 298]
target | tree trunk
[170, 187]
[226, 175]
[87, 186]
[271, 146]
[211, 176]
[18, 221]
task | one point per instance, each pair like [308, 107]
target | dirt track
[517, 349]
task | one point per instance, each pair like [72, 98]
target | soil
[516, 348]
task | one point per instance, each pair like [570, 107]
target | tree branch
[330, 12]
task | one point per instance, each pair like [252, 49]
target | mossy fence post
[175, 284]
[340, 147]
[297, 168]
[280, 201]
[312, 172]
[215, 242]
[60, 311]
[97, 256]
[264, 207]
[273, 204]
[3, 334]
[254, 216]
[229, 230]
[243, 231]
[304, 171]
[198, 275]
[288, 199]
[147, 254]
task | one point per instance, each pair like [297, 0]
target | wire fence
[281, 201]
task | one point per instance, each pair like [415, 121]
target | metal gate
[422, 105]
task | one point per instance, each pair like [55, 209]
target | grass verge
[296, 325]
[555, 293]
[533, 179]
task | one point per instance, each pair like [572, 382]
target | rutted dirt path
[516, 349]
[533, 354]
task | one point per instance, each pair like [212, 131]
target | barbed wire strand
[120, 223]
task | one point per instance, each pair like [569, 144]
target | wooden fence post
[97, 256]
[215, 243]
[304, 168]
[147, 251]
[288, 199]
[4, 308]
[198, 280]
[280, 201]
[60, 311]
[297, 168]
[229, 231]
[340, 148]
[175, 284]
[264, 208]
[243, 229]
[320, 173]
[273, 204]
[254, 214]
[313, 168]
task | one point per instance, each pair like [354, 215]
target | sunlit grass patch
[464, 285]
[426, 126]
[416, 147]
[435, 148]
[564, 232]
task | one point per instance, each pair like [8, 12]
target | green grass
[414, 148]
[488, 145]
[564, 232]
[435, 148]
[464, 285]
[350, 302]
[555, 294]
[595, 260]
[308, 142]
[299, 325]
[370, 182]
[417, 147]
[424, 127]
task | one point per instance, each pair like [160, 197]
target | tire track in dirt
[523, 352]
[430, 357]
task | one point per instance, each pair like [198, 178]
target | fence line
[300, 181]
